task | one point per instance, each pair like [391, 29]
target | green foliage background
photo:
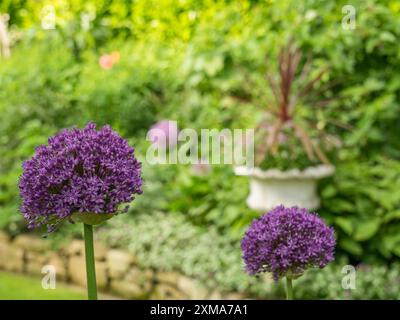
[202, 63]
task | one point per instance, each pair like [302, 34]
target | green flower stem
[90, 265]
[289, 289]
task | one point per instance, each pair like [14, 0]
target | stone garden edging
[116, 270]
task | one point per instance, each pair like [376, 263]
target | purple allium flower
[287, 241]
[164, 133]
[79, 171]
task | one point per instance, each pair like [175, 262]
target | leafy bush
[206, 69]
[17, 147]
[371, 282]
[365, 215]
[362, 200]
[35, 99]
[131, 94]
[215, 199]
[37, 90]
[168, 242]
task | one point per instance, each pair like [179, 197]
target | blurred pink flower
[164, 133]
[107, 61]
[115, 55]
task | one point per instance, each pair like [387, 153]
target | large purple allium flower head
[287, 241]
[79, 171]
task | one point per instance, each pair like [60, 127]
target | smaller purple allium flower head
[287, 241]
[164, 134]
[79, 171]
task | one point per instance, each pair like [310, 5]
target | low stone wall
[116, 270]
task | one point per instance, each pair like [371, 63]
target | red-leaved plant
[286, 140]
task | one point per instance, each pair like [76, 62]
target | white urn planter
[274, 187]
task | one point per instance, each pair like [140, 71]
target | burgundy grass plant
[294, 85]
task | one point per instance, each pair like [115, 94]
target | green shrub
[169, 242]
[371, 282]
[203, 64]
[133, 93]
[215, 199]
[16, 147]
[38, 82]
[362, 203]
[36, 98]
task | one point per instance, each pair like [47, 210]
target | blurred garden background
[133, 63]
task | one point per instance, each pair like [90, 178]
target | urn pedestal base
[273, 187]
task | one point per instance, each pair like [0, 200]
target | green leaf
[345, 224]
[393, 215]
[329, 191]
[367, 229]
[396, 251]
[351, 246]
[391, 241]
